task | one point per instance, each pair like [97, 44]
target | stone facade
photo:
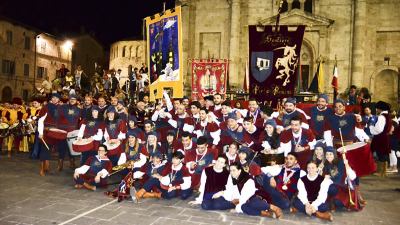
[86, 51]
[21, 65]
[126, 55]
[359, 33]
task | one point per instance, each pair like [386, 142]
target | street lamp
[68, 47]
[37, 36]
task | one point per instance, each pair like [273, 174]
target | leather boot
[60, 165]
[324, 215]
[266, 213]
[72, 163]
[276, 210]
[89, 187]
[42, 169]
[139, 194]
[46, 166]
[152, 195]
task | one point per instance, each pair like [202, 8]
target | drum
[83, 145]
[71, 138]
[57, 134]
[113, 146]
[3, 130]
[16, 129]
[360, 158]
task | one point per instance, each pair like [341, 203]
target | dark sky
[109, 21]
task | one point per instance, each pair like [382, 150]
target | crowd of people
[255, 159]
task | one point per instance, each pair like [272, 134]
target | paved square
[27, 198]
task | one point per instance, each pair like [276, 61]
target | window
[41, 72]
[9, 37]
[8, 67]
[123, 51]
[27, 43]
[284, 7]
[26, 70]
[43, 47]
[296, 4]
[25, 94]
[308, 6]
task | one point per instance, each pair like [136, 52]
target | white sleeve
[379, 125]
[248, 190]
[106, 135]
[168, 101]
[302, 193]
[141, 162]
[98, 136]
[305, 125]
[173, 123]
[138, 174]
[312, 144]
[121, 136]
[328, 138]
[122, 159]
[203, 181]
[103, 173]
[360, 134]
[82, 170]
[188, 128]
[187, 182]
[271, 171]
[41, 124]
[351, 174]
[229, 190]
[216, 135]
[243, 112]
[322, 194]
[286, 147]
[154, 117]
[81, 131]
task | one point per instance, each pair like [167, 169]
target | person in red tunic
[94, 172]
[186, 144]
[381, 139]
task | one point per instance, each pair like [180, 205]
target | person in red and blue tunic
[232, 154]
[242, 194]
[70, 117]
[252, 133]
[135, 153]
[168, 146]
[186, 144]
[318, 115]
[94, 172]
[114, 129]
[173, 181]
[213, 180]
[312, 194]
[132, 127]
[92, 127]
[208, 128]
[381, 136]
[281, 181]
[291, 111]
[233, 131]
[49, 118]
[199, 159]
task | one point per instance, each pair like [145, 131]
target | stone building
[86, 52]
[22, 65]
[126, 55]
[364, 35]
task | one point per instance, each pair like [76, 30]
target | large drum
[71, 137]
[113, 146]
[56, 134]
[16, 129]
[3, 130]
[83, 145]
[360, 158]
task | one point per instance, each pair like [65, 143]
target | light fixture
[68, 44]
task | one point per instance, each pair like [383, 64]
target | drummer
[135, 153]
[115, 129]
[33, 115]
[91, 127]
[49, 118]
[12, 115]
[70, 117]
[94, 172]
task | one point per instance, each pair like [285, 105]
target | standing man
[319, 113]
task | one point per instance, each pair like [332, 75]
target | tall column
[234, 71]
[360, 30]
[289, 2]
[302, 4]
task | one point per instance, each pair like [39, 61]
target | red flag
[334, 83]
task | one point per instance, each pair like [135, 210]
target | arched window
[308, 6]
[284, 6]
[296, 4]
[305, 71]
[123, 51]
[130, 52]
[6, 94]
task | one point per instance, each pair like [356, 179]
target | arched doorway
[386, 87]
[306, 69]
[6, 94]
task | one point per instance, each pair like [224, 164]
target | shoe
[324, 215]
[89, 187]
[78, 186]
[139, 194]
[266, 213]
[293, 210]
[277, 211]
[60, 165]
[152, 195]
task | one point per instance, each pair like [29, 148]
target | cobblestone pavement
[27, 198]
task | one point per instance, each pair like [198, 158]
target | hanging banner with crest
[274, 61]
[209, 77]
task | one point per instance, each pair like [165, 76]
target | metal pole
[34, 65]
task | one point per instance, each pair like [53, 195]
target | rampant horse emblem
[287, 64]
[71, 112]
[113, 126]
[342, 123]
[97, 163]
[91, 124]
[261, 65]
[320, 118]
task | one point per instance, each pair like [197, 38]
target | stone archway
[384, 85]
[306, 69]
[6, 94]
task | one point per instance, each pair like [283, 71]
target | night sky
[108, 21]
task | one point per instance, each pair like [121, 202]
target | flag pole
[335, 92]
